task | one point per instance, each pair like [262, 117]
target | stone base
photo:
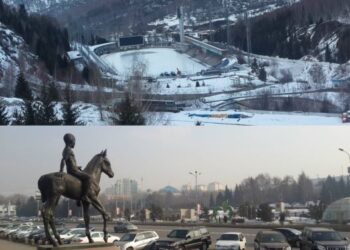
[93, 246]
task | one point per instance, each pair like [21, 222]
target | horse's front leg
[98, 205]
[86, 206]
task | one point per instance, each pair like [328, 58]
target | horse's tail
[44, 186]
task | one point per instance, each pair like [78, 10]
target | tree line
[284, 32]
[41, 33]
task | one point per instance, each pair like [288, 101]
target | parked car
[231, 240]
[35, 233]
[124, 227]
[97, 236]
[82, 225]
[139, 240]
[271, 240]
[345, 117]
[320, 238]
[68, 234]
[185, 239]
[292, 235]
[24, 233]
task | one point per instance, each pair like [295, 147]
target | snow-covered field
[253, 119]
[157, 61]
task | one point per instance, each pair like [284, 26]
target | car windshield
[128, 237]
[181, 234]
[271, 238]
[326, 236]
[233, 237]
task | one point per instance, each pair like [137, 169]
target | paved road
[8, 245]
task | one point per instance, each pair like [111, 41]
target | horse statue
[53, 185]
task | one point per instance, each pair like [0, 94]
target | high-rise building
[215, 187]
[126, 187]
[186, 188]
[7, 210]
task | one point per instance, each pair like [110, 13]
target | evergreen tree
[129, 113]
[30, 116]
[227, 195]
[211, 201]
[47, 109]
[54, 95]
[22, 88]
[219, 199]
[265, 212]
[18, 118]
[262, 74]
[3, 115]
[328, 55]
[254, 66]
[70, 113]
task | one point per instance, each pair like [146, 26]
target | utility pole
[227, 13]
[210, 15]
[249, 37]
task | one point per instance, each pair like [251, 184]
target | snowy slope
[39, 6]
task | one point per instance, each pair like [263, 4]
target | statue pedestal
[93, 246]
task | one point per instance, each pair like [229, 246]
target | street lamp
[343, 150]
[196, 174]
[347, 153]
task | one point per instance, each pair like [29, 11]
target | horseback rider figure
[68, 159]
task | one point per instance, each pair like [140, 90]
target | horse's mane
[92, 163]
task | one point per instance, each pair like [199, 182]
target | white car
[70, 233]
[139, 240]
[231, 240]
[97, 236]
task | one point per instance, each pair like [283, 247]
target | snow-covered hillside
[40, 6]
[15, 56]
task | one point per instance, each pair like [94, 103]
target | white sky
[164, 155]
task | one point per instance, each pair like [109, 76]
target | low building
[338, 212]
[188, 214]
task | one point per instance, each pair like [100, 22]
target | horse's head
[106, 164]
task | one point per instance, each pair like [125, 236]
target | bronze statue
[53, 185]
[69, 160]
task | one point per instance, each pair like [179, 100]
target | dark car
[198, 238]
[271, 240]
[320, 238]
[124, 227]
[292, 235]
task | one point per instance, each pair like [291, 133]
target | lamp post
[347, 153]
[196, 174]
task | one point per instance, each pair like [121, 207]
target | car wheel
[115, 242]
[297, 244]
[129, 248]
[204, 246]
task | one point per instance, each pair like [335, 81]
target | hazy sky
[164, 155]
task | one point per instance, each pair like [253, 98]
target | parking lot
[162, 231]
